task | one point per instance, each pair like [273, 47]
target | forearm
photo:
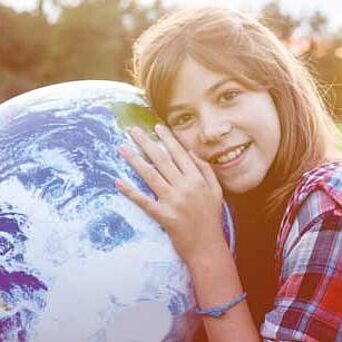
[217, 282]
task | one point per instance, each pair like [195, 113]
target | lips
[228, 154]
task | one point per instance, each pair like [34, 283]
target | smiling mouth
[230, 155]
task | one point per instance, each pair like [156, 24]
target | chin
[242, 186]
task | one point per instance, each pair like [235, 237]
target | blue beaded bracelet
[218, 311]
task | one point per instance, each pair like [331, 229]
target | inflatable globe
[78, 260]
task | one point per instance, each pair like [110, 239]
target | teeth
[230, 155]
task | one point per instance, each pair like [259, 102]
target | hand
[190, 200]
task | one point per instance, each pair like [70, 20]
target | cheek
[272, 140]
[276, 132]
[187, 139]
[269, 126]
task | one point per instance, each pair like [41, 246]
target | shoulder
[317, 198]
[327, 177]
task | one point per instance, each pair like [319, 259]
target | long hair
[228, 42]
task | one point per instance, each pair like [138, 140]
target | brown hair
[219, 38]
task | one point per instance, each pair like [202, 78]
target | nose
[213, 127]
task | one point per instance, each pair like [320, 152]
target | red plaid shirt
[308, 304]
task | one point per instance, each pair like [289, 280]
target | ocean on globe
[79, 261]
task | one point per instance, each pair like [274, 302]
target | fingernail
[137, 131]
[118, 184]
[159, 128]
[123, 150]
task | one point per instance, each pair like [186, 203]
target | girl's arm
[217, 282]
[189, 207]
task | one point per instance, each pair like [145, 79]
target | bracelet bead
[218, 311]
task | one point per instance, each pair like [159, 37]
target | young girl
[244, 123]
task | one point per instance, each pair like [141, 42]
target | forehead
[194, 79]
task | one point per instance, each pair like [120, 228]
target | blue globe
[78, 260]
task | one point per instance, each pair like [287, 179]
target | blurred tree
[283, 25]
[319, 54]
[318, 23]
[90, 41]
[22, 50]
[329, 68]
[324, 63]
[94, 40]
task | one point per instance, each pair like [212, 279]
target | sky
[298, 8]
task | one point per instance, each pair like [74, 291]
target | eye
[179, 119]
[227, 96]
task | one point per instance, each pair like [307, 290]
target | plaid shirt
[308, 304]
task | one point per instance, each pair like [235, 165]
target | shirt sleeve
[308, 303]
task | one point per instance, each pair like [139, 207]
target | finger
[177, 151]
[144, 202]
[146, 171]
[207, 172]
[159, 157]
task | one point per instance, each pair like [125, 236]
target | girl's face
[236, 130]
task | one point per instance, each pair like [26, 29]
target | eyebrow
[209, 91]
